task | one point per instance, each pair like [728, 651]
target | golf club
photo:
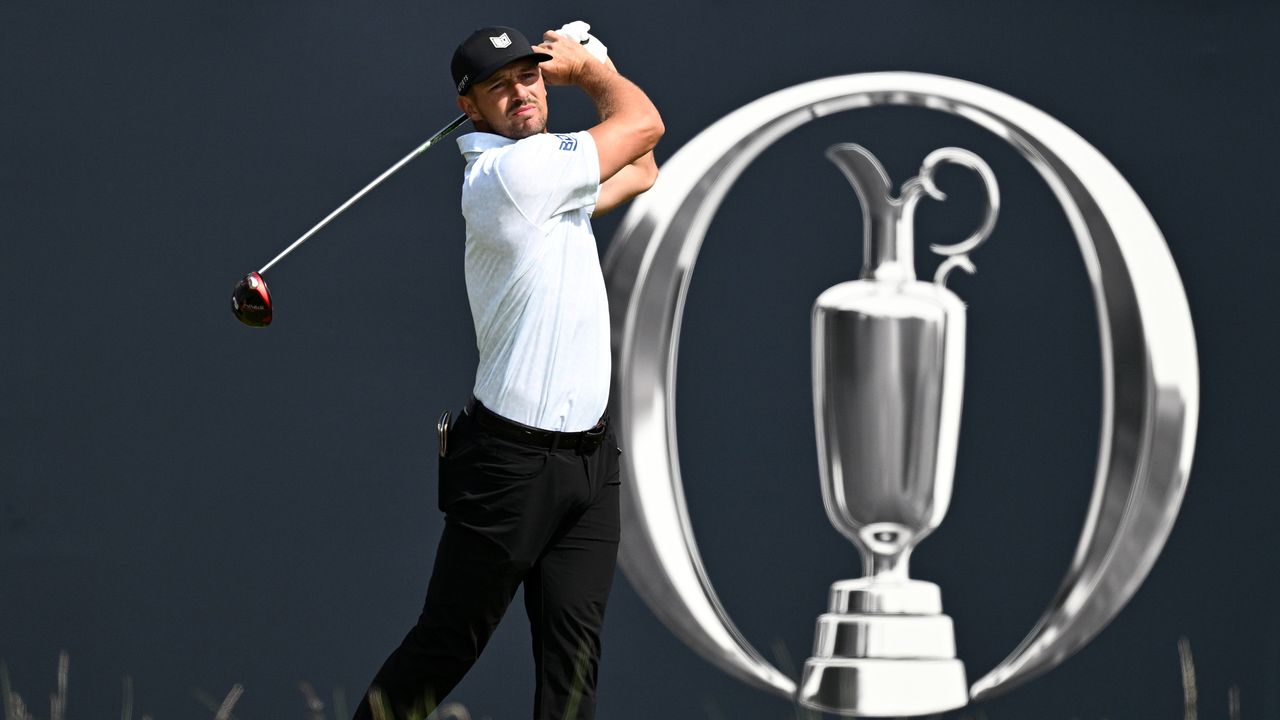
[250, 298]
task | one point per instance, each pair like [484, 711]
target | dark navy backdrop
[195, 504]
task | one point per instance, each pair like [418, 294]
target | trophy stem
[887, 567]
[886, 550]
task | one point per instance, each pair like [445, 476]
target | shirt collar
[474, 143]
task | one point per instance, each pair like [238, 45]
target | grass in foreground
[15, 707]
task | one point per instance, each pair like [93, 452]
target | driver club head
[251, 301]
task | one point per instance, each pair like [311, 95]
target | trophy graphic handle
[967, 159]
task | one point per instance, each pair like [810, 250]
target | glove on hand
[578, 30]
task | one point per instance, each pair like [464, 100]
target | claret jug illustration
[888, 372]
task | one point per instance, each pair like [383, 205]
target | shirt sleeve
[549, 174]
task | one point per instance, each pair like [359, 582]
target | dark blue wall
[196, 504]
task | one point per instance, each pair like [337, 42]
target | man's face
[512, 102]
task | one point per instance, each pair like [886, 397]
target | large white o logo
[1149, 364]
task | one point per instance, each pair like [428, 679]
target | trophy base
[886, 637]
[885, 649]
[875, 687]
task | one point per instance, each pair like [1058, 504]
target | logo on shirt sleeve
[568, 142]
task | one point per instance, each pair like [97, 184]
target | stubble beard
[519, 129]
[515, 127]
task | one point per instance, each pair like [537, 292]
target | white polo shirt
[533, 278]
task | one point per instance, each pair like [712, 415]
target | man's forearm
[630, 125]
[630, 181]
[617, 97]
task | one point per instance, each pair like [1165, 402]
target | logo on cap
[501, 41]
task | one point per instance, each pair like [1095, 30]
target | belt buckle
[592, 438]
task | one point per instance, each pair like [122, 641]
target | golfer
[529, 471]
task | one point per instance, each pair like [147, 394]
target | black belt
[585, 441]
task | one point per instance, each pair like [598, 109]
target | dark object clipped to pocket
[442, 432]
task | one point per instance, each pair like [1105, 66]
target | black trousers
[514, 513]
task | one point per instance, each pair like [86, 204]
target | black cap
[485, 51]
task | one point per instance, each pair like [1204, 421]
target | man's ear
[468, 107]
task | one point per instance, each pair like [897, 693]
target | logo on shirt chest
[568, 142]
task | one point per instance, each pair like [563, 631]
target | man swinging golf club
[529, 471]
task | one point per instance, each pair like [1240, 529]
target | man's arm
[629, 127]
[629, 182]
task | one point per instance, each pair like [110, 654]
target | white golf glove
[579, 31]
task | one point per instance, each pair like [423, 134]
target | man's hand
[629, 126]
[581, 31]
[570, 61]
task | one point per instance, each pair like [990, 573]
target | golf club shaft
[444, 131]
